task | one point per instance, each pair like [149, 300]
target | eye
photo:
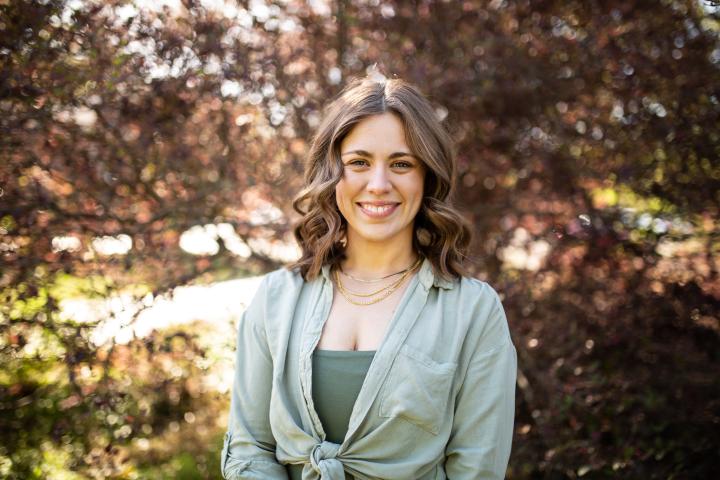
[402, 164]
[358, 162]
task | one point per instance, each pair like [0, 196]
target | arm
[249, 447]
[481, 437]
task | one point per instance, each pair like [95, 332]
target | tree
[587, 140]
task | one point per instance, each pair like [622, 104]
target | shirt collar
[426, 275]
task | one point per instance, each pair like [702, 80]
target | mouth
[378, 210]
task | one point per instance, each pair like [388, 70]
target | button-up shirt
[438, 400]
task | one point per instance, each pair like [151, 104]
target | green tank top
[337, 376]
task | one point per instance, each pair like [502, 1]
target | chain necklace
[405, 273]
[347, 294]
[372, 294]
[384, 292]
[375, 280]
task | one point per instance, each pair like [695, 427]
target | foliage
[588, 143]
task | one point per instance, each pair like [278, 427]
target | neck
[368, 259]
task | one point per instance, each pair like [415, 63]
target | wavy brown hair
[442, 235]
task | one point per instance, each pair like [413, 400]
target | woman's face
[381, 189]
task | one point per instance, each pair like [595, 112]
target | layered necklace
[378, 295]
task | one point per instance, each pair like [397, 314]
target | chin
[377, 238]
[385, 235]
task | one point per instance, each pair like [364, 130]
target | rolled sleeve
[249, 446]
[481, 438]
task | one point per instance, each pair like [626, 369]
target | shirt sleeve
[481, 437]
[249, 446]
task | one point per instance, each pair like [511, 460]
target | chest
[357, 327]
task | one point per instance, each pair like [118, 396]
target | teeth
[377, 208]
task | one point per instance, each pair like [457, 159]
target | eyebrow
[363, 153]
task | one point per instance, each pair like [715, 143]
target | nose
[379, 181]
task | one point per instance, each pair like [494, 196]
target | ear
[423, 239]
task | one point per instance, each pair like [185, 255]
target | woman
[374, 355]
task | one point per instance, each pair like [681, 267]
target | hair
[441, 234]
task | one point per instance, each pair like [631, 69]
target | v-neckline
[404, 316]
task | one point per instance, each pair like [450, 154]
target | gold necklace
[404, 272]
[372, 294]
[346, 294]
[384, 292]
[373, 280]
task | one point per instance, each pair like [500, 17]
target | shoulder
[281, 279]
[276, 298]
[275, 284]
[482, 308]
[281, 290]
[474, 292]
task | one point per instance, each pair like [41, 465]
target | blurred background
[149, 151]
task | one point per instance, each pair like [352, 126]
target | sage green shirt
[438, 400]
[337, 377]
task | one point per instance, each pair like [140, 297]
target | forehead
[376, 133]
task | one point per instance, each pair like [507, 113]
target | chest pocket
[417, 389]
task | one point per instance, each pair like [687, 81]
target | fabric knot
[324, 461]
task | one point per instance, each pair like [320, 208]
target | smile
[378, 211]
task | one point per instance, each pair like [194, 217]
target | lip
[382, 213]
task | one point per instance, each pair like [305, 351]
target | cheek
[415, 191]
[343, 197]
[347, 189]
[417, 203]
[340, 192]
[417, 197]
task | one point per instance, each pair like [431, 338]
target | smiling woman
[372, 124]
[375, 355]
[381, 189]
